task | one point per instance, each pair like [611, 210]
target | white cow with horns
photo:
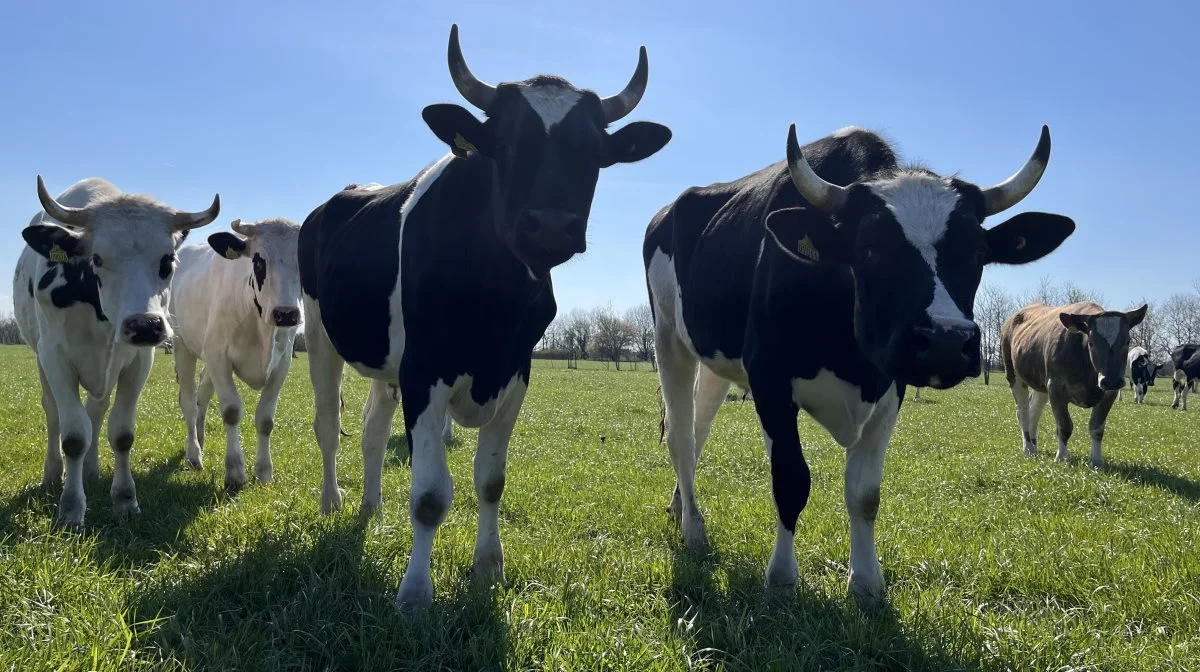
[236, 307]
[90, 295]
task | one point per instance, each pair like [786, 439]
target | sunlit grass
[993, 561]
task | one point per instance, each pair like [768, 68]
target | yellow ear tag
[231, 253]
[57, 254]
[461, 143]
[1020, 242]
[806, 248]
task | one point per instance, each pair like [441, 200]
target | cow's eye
[870, 254]
[97, 261]
[166, 266]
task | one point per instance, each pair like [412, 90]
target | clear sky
[278, 105]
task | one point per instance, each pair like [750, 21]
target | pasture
[993, 561]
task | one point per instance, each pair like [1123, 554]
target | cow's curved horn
[616, 107]
[479, 94]
[76, 217]
[194, 220]
[1010, 192]
[825, 196]
[244, 229]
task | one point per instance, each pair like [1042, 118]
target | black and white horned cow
[235, 305]
[1141, 372]
[91, 299]
[826, 283]
[1186, 358]
[439, 288]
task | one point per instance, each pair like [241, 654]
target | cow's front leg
[325, 368]
[76, 431]
[1020, 392]
[677, 371]
[448, 430]
[1060, 407]
[52, 468]
[121, 425]
[377, 429]
[490, 461]
[220, 371]
[790, 479]
[864, 476]
[185, 377]
[1096, 427]
[264, 418]
[432, 490]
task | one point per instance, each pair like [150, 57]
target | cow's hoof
[371, 506]
[782, 573]
[125, 506]
[1061, 457]
[487, 567]
[263, 475]
[1030, 452]
[675, 508]
[70, 516]
[235, 480]
[331, 501]
[1097, 464]
[415, 595]
[195, 462]
[695, 537]
[868, 595]
[91, 472]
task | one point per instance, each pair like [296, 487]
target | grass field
[993, 561]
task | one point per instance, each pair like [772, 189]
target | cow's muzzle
[285, 317]
[144, 329]
[945, 353]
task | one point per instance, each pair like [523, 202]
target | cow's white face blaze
[915, 246]
[128, 241]
[274, 278]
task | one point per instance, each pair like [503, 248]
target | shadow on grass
[306, 596]
[398, 454]
[1144, 474]
[731, 620]
[168, 507]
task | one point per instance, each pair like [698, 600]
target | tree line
[600, 334]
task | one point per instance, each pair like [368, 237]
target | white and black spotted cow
[439, 288]
[1186, 358]
[235, 305]
[91, 300]
[826, 283]
[1141, 372]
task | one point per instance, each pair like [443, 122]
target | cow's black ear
[1027, 237]
[54, 242]
[635, 142]
[227, 245]
[806, 234]
[1075, 322]
[458, 128]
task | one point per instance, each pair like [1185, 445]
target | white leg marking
[325, 370]
[490, 461]
[221, 373]
[864, 477]
[52, 469]
[430, 499]
[677, 371]
[377, 429]
[185, 373]
[264, 419]
[76, 431]
[121, 431]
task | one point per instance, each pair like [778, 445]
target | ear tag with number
[462, 143]
[806, 248]
[231, 253]
[57, 254]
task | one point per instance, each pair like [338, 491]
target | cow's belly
[730, 369]
[836, 405]
[467, 412]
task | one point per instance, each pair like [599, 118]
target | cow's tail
[341, 407]
[662, 417]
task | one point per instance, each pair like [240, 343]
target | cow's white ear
[227, 245]
[1073, 322]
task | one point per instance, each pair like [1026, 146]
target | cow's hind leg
[185, 377]
[377, 429]
[710, 394]
[76, 431]
[1060, 407]
[490, 461]
[1033, 418]
[96, 408]
[1020, 392]
[121, 425]
[204, 395]
[864, 476]
[677, 371]
[52, 468]
[448, 430]
[1096, 427]
[325, 367]
[432, 491]
[791, 480]
[220, 371]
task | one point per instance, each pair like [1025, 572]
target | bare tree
[1181, 319]
[641, 318]
[9, 333]
[1148, 334]
[992, 307]
[613, 336]
[577, 336]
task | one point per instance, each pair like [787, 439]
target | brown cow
[1066, 354]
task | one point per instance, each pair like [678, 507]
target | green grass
[993, 561]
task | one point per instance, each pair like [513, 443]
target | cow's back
[1035, 345]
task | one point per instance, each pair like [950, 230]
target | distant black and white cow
[90, 298]
[235, 305]
[439, 288]
[826, 283]
[1141, 372]
[1186, 358]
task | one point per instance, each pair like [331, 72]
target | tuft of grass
[993, 561]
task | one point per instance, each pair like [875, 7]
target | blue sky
[278, 105]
